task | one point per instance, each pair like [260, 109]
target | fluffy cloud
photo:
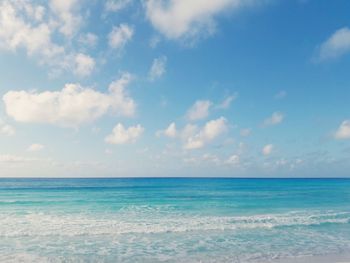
[158, 68]
[84, 64]
[188, 19]
[122, 135]
[120, 35]
[170, 131]
[267, 149]
[211, 130]
[16, 32]
[188, 131]
[71, 106]
[35, 147]
[68, 19]
[194, 137]
[32, 28]
[88, 39]
[116, 5]
[276, 118]
[199, 110]
[343, 131]
[6, 129]
[337, 45]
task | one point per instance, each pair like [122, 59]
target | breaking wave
[42, 224]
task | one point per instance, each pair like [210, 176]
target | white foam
[42, 224]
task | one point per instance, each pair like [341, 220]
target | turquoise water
[172, 220]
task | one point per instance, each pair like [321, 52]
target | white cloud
[158, 68]
[67, 15]
[88, 39]
[194, 137]
[121, 135]
[71, 106]
[116, 5]
[84, 64]
[34, 12]
[16, 32]
[226, 103]
[211, 130]
[337, 45]
[194, 143]
[170, 131]
[188, 19]
[343, 131]
[6, 129]
[199, 110]
[35, 147]
[267, 149]
[120, 35]
[30, 27]
[276, 118]
[188, 131]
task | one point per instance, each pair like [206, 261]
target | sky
[220, 88]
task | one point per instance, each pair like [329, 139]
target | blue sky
[175, 88]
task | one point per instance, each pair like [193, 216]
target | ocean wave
[42, 224]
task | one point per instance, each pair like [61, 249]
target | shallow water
[172, 220]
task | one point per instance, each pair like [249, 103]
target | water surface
[172, 220]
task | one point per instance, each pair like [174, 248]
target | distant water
[172, 220]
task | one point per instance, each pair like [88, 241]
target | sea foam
[42, 224]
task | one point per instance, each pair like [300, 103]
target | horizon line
[174, 177]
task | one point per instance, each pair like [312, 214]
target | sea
[173, 219]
